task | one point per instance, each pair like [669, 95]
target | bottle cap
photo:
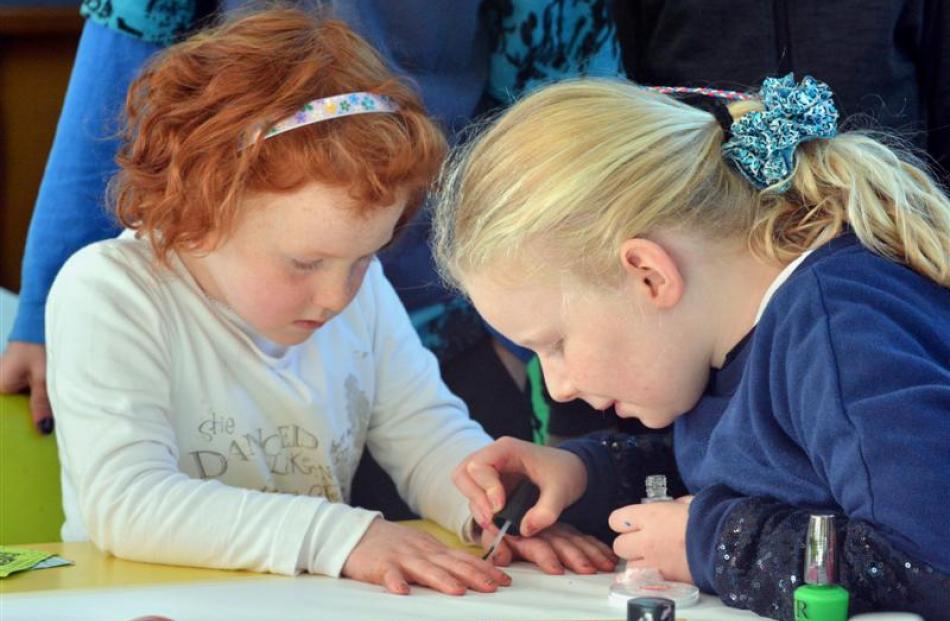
[821, 550]
[519, 501]
[651, 609]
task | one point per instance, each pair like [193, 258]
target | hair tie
[711, 100]
[763, 143]
[720, 110]
[714, 106]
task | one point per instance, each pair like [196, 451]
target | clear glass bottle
[656, 489]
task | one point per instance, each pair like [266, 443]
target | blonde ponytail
[583, 165]
[881, 193]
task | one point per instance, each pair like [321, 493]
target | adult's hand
[23, 369]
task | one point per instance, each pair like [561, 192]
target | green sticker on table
[19, 559]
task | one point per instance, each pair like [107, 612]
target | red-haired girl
[219, 369]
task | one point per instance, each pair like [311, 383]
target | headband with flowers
[333, 107]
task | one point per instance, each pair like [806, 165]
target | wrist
[576, 475]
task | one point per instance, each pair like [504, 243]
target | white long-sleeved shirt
[186, 438]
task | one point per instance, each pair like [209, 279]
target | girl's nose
[335, 295]
[558, 384]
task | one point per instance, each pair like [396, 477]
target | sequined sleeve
[758, 556]
[617, 465]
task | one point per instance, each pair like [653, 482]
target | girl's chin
[625, 411]
[651, 420]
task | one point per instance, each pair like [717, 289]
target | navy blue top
[838, 401]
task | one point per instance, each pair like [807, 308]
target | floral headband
[761, 144]
[333, 107]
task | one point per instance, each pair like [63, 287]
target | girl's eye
[361, 264]
[306, 266]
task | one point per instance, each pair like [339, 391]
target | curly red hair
[183, 170]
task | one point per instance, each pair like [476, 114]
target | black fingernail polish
[46, 425]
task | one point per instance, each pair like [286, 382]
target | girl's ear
[653, 271]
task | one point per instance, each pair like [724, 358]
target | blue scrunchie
[762, 146]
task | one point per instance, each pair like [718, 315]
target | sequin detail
[630, 459]
[637, 456]
[761, 552]
[763, 143]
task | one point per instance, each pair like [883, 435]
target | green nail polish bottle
[820, 599]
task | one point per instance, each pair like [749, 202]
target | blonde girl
[777, 289]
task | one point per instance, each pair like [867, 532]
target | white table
[533, 595]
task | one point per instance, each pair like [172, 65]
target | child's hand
[23, 367]
[654, 535]
[554, 548]
[394, 555]
[559, 474]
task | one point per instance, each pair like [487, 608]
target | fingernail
[490, 582]
[46, 425]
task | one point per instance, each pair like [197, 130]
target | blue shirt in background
[541, 41]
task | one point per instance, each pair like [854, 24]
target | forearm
[617, 466]
[165, 517]
[419, 431]
[756, 557]
[421, 447]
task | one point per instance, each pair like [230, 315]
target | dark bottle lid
[519, 501]
[651, 609]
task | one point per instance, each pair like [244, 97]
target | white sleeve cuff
[336, 529]
[471, 532]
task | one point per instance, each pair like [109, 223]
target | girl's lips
[602, 407]
[308, 324]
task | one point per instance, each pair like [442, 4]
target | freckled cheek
[589, 373]
[295, 299]
[277, 300]
[626, 383]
